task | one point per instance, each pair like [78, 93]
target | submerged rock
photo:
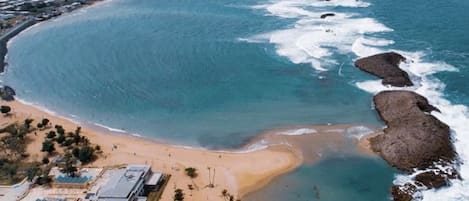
[386, 67]
[324, 16]
[413, 137]
[7, 93]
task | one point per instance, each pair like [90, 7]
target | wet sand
[242, 171]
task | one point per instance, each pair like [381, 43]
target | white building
[127, 184]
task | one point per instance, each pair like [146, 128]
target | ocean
[216, 73]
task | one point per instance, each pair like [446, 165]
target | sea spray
[312, 40]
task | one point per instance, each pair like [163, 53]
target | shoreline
[242, 170]
[11, 34]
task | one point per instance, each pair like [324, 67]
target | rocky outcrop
[386, 67]
[413, 137]
[7, 93]
[324, 16]
[435, 179]
[403, 193]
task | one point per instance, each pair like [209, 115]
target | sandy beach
[239, 171]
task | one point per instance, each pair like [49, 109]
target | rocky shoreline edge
[414, 141]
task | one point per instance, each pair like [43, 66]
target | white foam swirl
[313, 40]
[301, 131]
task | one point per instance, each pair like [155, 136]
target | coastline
[6, 38]
[240, 171]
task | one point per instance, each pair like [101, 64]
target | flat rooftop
[123, 182]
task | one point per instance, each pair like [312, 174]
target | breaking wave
[311, 39]
[314, 38]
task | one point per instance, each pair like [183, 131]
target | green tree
[45, 122]
[76, 152]
[86, 154]
[10, 170]
[51, 134]
[67, 142]
[60, 129]
[31, 172]
[44, 179]
[69, 168]
[48, 146]
[39, 125]
[27, 123]
[178, 195]
[45, 160]
[76, 138]
[5, 109]
[191, 172]
[78, 130]
[60, 139]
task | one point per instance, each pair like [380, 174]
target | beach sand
[238, 171]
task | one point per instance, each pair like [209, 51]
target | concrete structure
[127, 184]
[84, 178]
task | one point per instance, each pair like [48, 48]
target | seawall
[10, 34]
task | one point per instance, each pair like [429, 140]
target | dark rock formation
[403, 193]
[386, 67]
[7, 93]
[432, 180]
[413, 138]
[323, 16]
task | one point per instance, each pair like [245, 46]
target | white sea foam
[358, 131]
[112, 129]
[301, 131]
[313, 40]
[363, 46]
[456, 116]
[48, 111]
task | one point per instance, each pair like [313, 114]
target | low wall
[10, 34]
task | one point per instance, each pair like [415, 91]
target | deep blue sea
[216, 73]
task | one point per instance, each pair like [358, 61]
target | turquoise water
[333, 179]
[215, 73]
[176, 70]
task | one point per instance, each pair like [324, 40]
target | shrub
[48, 146]
[86, 154]
[76, 152]
[60, 139]
[5, 109]
[191, 172]
[45, 160]
[51, 135]
[178, 195]
[45, 122]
